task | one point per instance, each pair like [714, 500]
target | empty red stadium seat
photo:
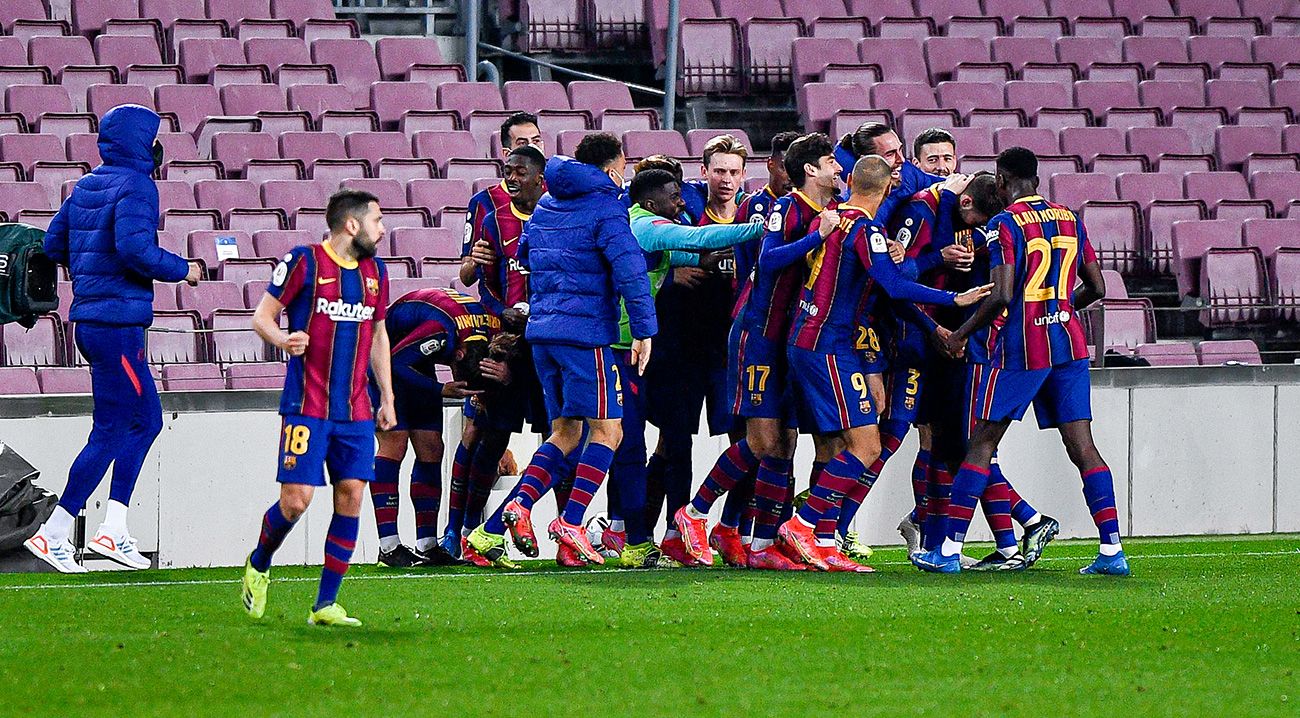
[1215, 353]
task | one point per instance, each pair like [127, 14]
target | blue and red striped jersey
[479, 206]
[835, 293]
[755, 208]
[768, 298]
[337, 302]
[428, 326]
[1045, 244]
[504, 282]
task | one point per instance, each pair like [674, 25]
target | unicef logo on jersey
[341, 311]
[1061, 317]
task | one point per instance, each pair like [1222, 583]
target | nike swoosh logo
[327, 280]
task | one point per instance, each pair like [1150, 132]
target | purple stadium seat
[697, 139]
[1161, 216]
[311, 146]
[276, 51]
[963, 96]
[944, 10]
[31, 101]
[17, 196]
[1084, 51]
[435, 194]
[18, 381]
[64, 380]
[1168, 353]
[203, 245]
[392, 100]
[21, 10]
[554, 25]
[397, 55]
[745, 10]
[973, 140]
[262, 375]
[1210, 187]
[236, 149]
[820, 101]
[39, 346]
[1234, 285]
[1155, 141]
[1039, 139]
[252, 99]
[199, 56]
[655, 142]
[1100, 96]
[1236, 94]
[1144, 188]
[354, 64]
[852, 28]
[1279, 188]
[810, 10]
[467, 97]
[710, 57]
[208, 297]
[102, 98]
[1268, 235]
[906, 27]
[421, 242]
[1029, 96]
[900, 96]
[1072, 190]
[596, 96]
[811, 55]
[192, 377]
[1088, 142]
[375, 146]
[58, 53]
[943, 54]
[53, 176]
[390, 192]
[1216, 353]
[278, 242]
[1114, 282]
[1234, 144]
[1018, 51]
[123, 51]
[899, 59]
[225, 195]
[1286, 283]
[441, 147]
[319, 99]
[1276, 50]
[236, 346]
[1124, 323]
[1170, 94]
[1115, 230]
[27, 150]
[1191, 241]
[192, 104]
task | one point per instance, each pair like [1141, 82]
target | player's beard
[363, 248]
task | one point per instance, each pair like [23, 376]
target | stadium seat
[240, 344]
[654, 142]
[354, 64]
[192, 377]
[41, 345]
[261, 375]
[1124, 323]
[899, 59]
[710, 57]
[1215, 353]
[1115, 231]
[18, 381]
[64, 380]
[1269, 235]
[1210, 187]
[1172, 353]
[1191, 241]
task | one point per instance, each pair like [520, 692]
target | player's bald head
[871, 176]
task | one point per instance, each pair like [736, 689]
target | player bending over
[1037, 355]
[427, 328]
[336, 294]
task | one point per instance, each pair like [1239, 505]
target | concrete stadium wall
[1193, 451]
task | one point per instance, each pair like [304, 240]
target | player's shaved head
[872, 175]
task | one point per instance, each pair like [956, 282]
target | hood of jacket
[126, 136]
[567, 178]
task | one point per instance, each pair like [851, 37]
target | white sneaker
[118, 548]
[911, 533]
[61, 556]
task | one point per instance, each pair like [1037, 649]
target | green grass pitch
[1205, 627]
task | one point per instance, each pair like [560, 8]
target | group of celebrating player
[854, 296]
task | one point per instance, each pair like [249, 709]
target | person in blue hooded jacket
[582, 259]
[106, 233]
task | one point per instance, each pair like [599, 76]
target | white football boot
[62, 556]
[120, 548]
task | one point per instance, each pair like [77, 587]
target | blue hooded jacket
[582, 257]
[106, 232]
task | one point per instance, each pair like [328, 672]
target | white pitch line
[604, 572]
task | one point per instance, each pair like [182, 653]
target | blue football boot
[1116, 565]
[935, 562]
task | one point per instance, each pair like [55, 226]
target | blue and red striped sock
[384, 498]
[274, 528]
[537, 479]
[426, 499]
[771, 492]
[839, 476]
[787, 507]
[482, 477]
[1099, 491]
[938, 494]
[996, 502]
[967, 487]
[564, 479]
[920, 469]
[340, 542]
[459, 491]
[590, 474]
[1021, 512]
[892, 433]
[738, 500]
[731, 467]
